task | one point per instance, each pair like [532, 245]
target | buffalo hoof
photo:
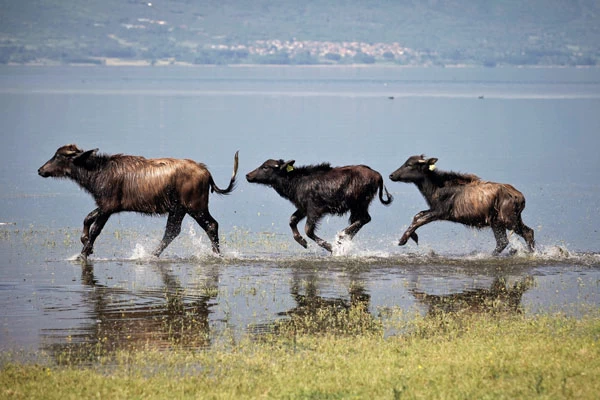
[327, 247]
[82, 259]
[415, 237]
[342, 238]
[496, 253]
[301, 241]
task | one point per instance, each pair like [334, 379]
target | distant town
[278, 52]
[325, 50]
[317, 52]
[114, 32]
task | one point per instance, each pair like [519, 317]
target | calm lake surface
[538, 129]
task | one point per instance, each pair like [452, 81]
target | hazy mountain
[555, 32]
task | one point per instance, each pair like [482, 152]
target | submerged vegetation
[454, 355]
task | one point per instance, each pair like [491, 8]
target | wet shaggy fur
[334, 190]
[147, 186]
[466, 199]
[132, 183]
[316, 190]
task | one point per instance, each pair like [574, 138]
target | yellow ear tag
[289, 168]
[432, 167]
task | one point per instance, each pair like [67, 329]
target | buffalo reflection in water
[318, 314]
[500, 297]
[154, 318]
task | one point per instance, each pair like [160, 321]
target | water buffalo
[317, 190]
[149, 186]
[466, 199]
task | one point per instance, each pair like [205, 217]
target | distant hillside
[413, 32]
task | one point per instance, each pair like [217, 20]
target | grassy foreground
[461, 357]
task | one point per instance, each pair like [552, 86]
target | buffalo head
[65, 158]
[270, 171]
[414, 169]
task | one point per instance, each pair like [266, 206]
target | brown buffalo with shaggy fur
[131, 183]
[466, 199]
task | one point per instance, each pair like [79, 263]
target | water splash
[140, 253]
[342, 246]
[516, 246]
[75, 258]
[194, 247]
[556, 252]
[200, 247]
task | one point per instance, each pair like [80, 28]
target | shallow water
[52, 303]
[536, 129]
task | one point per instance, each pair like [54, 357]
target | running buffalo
[466, 199]
[316, 190]
[149, 186]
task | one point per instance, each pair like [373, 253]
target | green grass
[451, 356]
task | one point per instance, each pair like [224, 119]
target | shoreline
[116, 63]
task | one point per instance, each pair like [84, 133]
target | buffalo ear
[431, 163]
[288, 166]
[81, 159]
[70, 151]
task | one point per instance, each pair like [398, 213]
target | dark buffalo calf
[320, 189]
[465, 199]
[149, 186]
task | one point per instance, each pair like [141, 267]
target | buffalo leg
[357, 221]
[422, 218]
[294, 219]
[501, 239]
[87, 222]
[95, 230]
[311, 225]
[526, 233]
[172, 230]
[210, 226]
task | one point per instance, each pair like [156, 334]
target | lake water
[538, 129]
